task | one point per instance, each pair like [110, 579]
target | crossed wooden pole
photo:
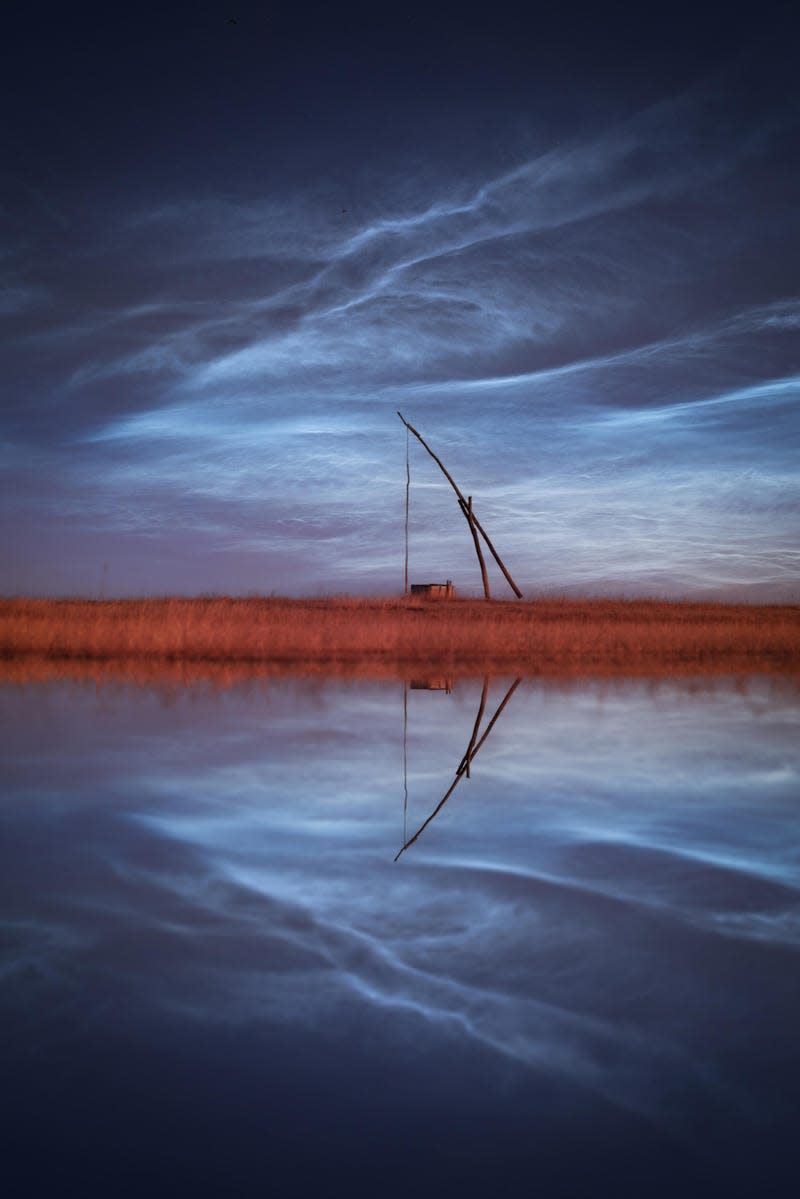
[475, 526]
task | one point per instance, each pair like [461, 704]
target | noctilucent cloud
[565, 247]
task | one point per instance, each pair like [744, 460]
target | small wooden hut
[433, 590]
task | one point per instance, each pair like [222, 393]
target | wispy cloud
[603, 315]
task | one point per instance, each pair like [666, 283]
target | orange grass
[384, 638]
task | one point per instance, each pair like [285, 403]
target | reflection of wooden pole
[471, 522]
[464, 764]
[496, 716]
[464, 507]
[475, 729]
[405, 756]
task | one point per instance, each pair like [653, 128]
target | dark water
[581, 979]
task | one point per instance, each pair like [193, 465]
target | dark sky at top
[564, 241]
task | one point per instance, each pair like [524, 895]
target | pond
[580, 978]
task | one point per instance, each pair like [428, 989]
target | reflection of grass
[386, 636]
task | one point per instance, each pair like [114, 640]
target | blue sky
[566, 251]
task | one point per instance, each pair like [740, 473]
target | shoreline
[394, 638]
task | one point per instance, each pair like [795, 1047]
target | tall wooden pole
[465, 508]
[408, 493]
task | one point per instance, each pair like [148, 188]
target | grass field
[228, 637]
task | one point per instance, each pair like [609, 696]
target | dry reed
[388, 637]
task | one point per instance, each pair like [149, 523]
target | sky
[563, 242]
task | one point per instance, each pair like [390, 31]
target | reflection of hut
[432, 684]
[433, 590]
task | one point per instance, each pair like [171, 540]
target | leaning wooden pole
[471, 521]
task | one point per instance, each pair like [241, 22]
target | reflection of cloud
[226, 860]
[245, 949]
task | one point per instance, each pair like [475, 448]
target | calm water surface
[581, 979]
